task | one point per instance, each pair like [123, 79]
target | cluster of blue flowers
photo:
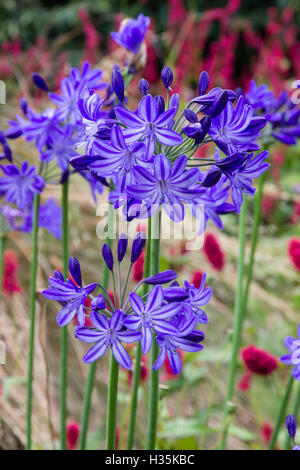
[291, 426]
[168, 314]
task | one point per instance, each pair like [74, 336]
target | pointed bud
[190, 115]
[291, 425]
[167, 77]
[161, 278]
[175, 294]
[24, 106]
[122, 246]
[75, 270]
[117, 83]
[219, 104]
[144, 86]
[39, 82]
[138, 245]
[160, 104]
[174, 101]
[203, 82]
[98, 303]
[108, 256]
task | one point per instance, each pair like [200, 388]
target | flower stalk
[138, 354]
[238, 322]
[64, 331]
[32, 310]
[154, 374]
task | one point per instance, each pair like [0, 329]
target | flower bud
[203, 82]
[144, 86]
[167, 77]
[161, 278]
[108, 256]
[117, 83]
[39, 82]
[138, 246]
[190, 115]
[122, 246]
[98, 303]
[75, 271]
[291, 425]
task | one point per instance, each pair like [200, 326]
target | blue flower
[50, 217]
[19, 185]
[132, 34]
[260, 97]
[236, 129]
[196, 130]
[71, 294]
[66, 102]
[168, 186]
[108, 334]
[149, 125]
[151, 316]
[6, 149]
[293, 358]
[61, 147]
[116, 155]
[186, 339]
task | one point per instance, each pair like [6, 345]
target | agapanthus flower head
[19, 185]
[293, 358]
[168, 314]
[132, 33]
[258, 360]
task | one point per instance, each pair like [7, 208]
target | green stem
[238, 321]
[64, 331]
[2, 250]
[281, 413]
[154, 374]
[295, 411]
[111, 417]
[254, 238]
[138, 354]
[89, 385]
[32, 306]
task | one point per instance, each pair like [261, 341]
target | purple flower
[196, 130]
[86, 78]
[40, 127]
[214, 201]
[291, 425]
[192, 307]
[116, 156]
[108, 256]
[50, 217]
[149, 125]
[151, 316]
[117, 83]
[260, 97]
[108, 334]
[61, 147]
[161, 278]
[293, 358]
[138, 245]
[186, 339]
[144, 86]
[168, 186]
[6, 149]
[66, 102]
[122, 246]
[167, 77]
[72, 295]
[39, 82]
[19, 185]
[132, 34]
[236, 129]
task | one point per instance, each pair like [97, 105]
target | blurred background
[234, 41]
